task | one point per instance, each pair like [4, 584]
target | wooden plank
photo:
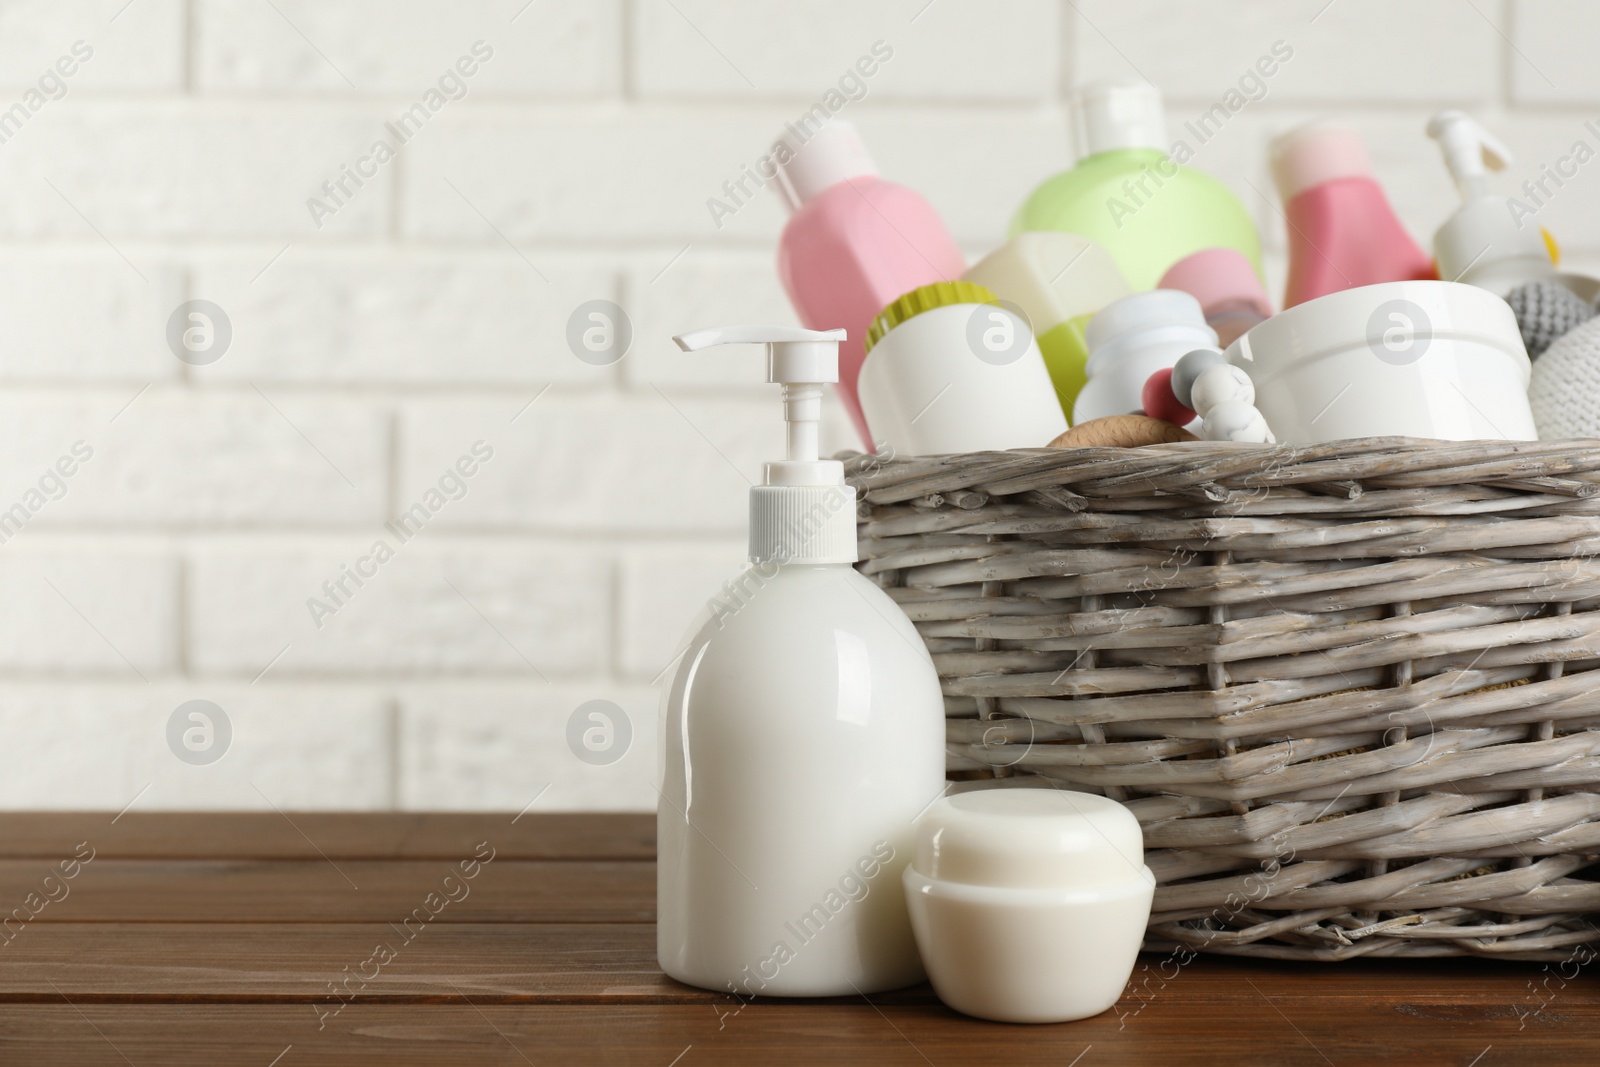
[601, 963]
[299, 891]
[338, 835]
[489, 962]
[1272, 1026]
[227, 956]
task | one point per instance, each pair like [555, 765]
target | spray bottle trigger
[1470, 150]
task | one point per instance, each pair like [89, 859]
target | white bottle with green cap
[802, 734]
[951, 368]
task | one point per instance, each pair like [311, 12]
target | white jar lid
[1030, 838]
[1353, 320]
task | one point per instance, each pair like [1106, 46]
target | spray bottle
[1483, 243]
[1486, 243]
[802, 735]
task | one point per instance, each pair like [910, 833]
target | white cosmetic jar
[1028, 905]
[1428, 359]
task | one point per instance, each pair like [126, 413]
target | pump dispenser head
[804, 512]
[1119, 113]
[1483, 243]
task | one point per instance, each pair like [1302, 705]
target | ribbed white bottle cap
[1119, 113]
[803, 524]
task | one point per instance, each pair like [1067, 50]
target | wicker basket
[1345, 688]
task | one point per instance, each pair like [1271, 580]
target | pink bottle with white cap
[1342, 232]
[855, 244]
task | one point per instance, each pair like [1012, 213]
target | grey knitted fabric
[1544, 312]
[1564, 391]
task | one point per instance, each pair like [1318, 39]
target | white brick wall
[371, 352]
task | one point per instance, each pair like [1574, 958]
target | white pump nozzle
[801, 361]
[1470, 151]
[804, 513]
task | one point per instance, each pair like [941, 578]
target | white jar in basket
[1429, 359]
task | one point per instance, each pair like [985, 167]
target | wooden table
[219, 939]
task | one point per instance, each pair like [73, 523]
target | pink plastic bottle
[1228, 288]
[855, 244]
[1342, 232]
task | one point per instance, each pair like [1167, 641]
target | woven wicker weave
[1345, 688]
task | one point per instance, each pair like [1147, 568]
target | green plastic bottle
[1131, 197]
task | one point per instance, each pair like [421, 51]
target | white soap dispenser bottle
[802, 735]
